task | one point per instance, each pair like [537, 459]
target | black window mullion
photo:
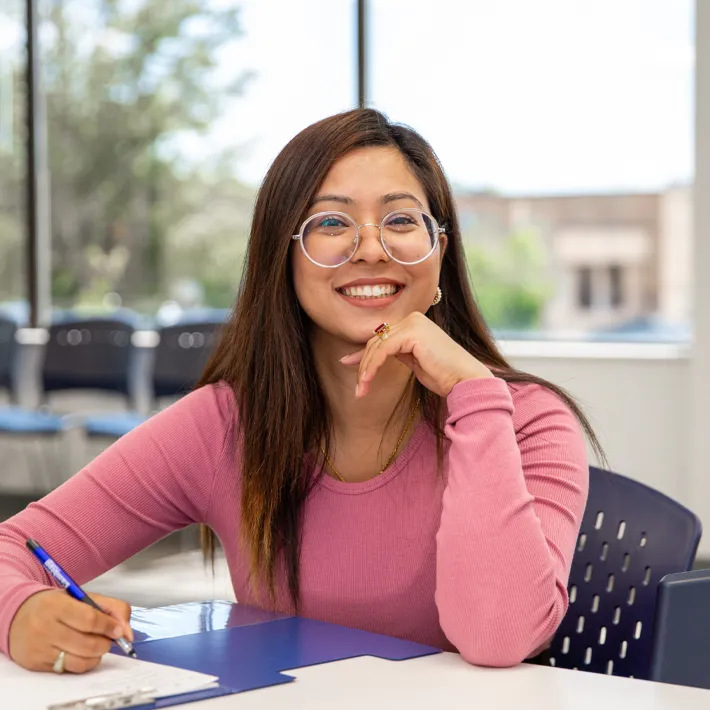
[37, 238]
[362, 53]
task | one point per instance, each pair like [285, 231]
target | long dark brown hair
[265, 356]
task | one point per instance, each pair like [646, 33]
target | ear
[443, 243]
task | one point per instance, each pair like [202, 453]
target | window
[568, 156]
[561, 157]
[162, 119]
[616, 286]
[584, 288]
[13, 162]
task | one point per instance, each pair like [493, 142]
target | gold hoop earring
[437, 298]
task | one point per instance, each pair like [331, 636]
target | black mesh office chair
[80, 354]
[631, 536]
[180, 358]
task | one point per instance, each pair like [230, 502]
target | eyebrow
[343, 199]
[395, 196]
[385, 199]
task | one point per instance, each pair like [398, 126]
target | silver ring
[58, 666]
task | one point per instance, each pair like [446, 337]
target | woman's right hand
[52, 621]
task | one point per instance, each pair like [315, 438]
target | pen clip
[110, 701]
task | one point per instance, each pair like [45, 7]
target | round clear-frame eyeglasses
[330, 239]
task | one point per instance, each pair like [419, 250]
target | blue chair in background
[631, 537]
[181, 356]
[179, 360]
[91, 354]
[82, 354]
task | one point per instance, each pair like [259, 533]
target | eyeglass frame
[299, 237]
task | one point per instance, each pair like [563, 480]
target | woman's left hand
[437, 361]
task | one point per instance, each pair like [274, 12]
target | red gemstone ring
[382, 331]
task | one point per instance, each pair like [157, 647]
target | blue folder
[249, 648]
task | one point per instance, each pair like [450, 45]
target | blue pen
[64, 580]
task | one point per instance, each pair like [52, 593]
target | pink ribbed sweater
[475, 560]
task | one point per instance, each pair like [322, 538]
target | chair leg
[186, 539]
[18, 451]
[62, 457]
[38, 470]
[74, 453]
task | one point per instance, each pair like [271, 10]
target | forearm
[503, 554]
[85, 530]
[157, 479]
[500, 590]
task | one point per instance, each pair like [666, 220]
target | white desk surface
[446, 682]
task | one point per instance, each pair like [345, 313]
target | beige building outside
[614, 259]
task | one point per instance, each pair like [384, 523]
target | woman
[359, 446]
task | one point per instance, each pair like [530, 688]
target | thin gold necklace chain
[392, 455]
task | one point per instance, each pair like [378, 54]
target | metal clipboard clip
[110, 701]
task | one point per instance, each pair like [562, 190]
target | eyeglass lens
[331, 238]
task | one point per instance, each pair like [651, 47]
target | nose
[370, 248]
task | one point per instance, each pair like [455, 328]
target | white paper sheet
[26, 690]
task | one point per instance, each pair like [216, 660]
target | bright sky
[543, 96]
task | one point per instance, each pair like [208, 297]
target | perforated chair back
[90, 354]
[8, 332]
[181, 356]
[631, 536]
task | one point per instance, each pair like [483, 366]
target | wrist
[475, 373]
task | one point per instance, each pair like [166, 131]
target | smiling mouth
[370, 292]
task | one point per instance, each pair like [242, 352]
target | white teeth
[376, 291]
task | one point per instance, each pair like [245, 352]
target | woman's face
[366, 184]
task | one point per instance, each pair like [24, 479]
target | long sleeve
[514, 499]
[157, 479]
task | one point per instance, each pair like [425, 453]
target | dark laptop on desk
[681, 643]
